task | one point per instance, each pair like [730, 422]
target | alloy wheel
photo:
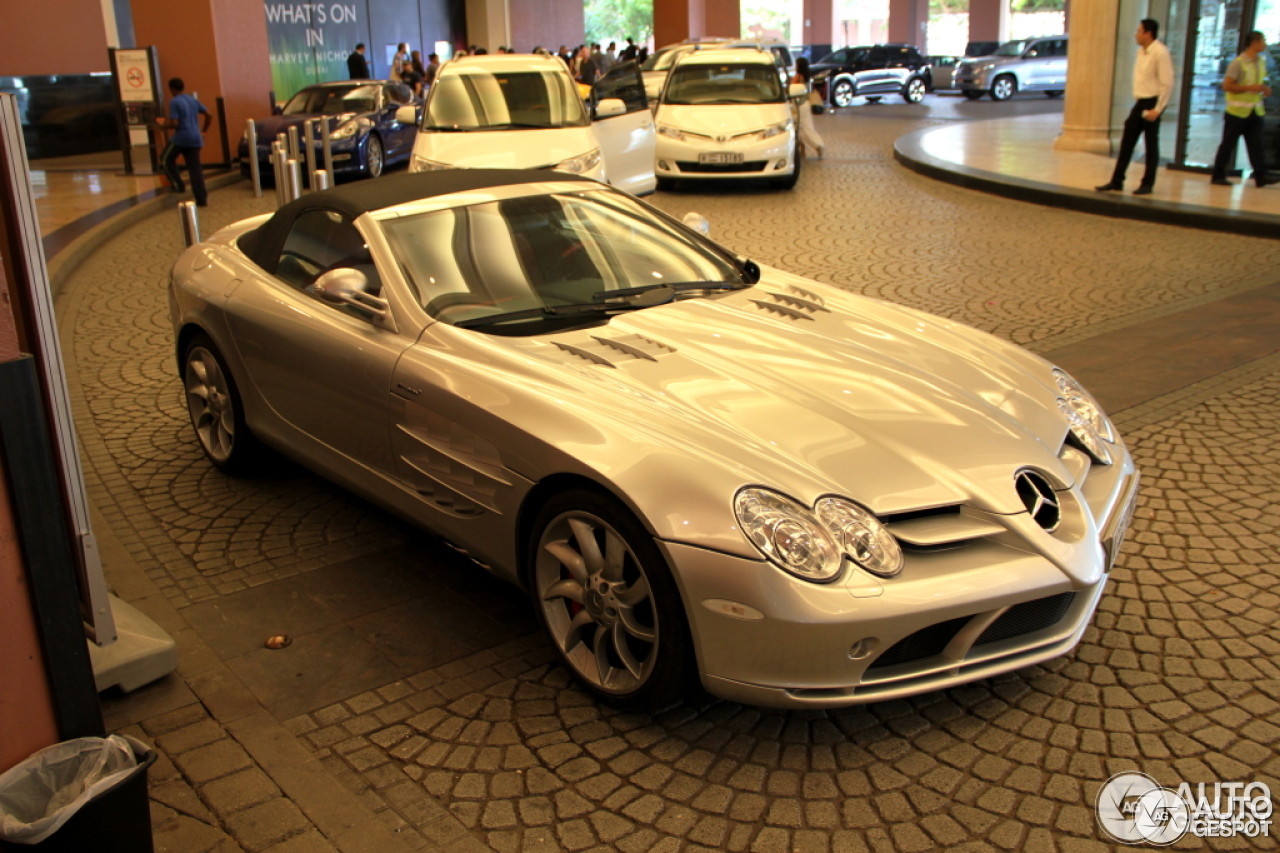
[211, 404]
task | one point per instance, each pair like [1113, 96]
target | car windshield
[333, 100]
[478, 99]
[510, 265]
[1012, 48]
[727, 83]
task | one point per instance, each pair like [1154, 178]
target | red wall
[52, 37]
[546, 23]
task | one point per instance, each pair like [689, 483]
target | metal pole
[294, 179]
[319, 180]
[255, 170]
[222, 131]
[328, 147]
[308, 150]
[277, 160]
[190, 222]
[294, 150]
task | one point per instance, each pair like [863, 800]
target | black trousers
[1135, 126]
[1234, 127]
[190, 156]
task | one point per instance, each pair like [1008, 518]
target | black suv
[873, 71]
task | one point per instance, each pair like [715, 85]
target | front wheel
[1004, 88]
[972, 94]
[842, 93]
[213, 403]
[914, 91]
[374, 158]
[607, 601]
[1053, 93]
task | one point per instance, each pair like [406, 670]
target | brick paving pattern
[1177, 677]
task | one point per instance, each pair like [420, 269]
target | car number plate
[716, 157]
[1121, 526]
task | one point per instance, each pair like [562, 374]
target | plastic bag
[42, 793]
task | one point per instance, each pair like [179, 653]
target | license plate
[1121, 526]
[721, 157]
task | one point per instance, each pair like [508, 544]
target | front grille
[722, 168]
[1028, 617]
[925, 643]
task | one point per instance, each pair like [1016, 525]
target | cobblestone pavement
[1177, 678]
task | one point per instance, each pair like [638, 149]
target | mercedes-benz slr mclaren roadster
[697, 466]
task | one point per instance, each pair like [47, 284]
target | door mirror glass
[407, 114]
[610, 107]
[698, 223]
[797, 90]
[340, 284]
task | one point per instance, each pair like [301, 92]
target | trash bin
[87, 794]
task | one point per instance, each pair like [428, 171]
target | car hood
[722, 120]
[505, 149]
[796, 386]
[269, 127]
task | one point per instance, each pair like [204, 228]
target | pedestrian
[564, 56]
[187, 140]
[1246, 86]
[611, 55]
[400, 63]
[357, 64]
[810, 139]
[414, 73]
[1152, 87]
[433, 67]
[629, 52]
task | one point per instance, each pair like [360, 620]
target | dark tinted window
[623, 81]
[321, 240]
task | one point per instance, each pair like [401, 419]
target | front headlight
[776, 130]
[787, 534]
[861, 536]
[346, 131]
[673, 132]
[422, 164]
[580, 164]
[1088, 423]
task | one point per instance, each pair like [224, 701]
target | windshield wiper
[675, 286]
[651, 296]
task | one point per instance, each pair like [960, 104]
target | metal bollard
[308, 150]
[327, 142]
[254, 169]
[294, 180]
[319, 180]
[277, 162]
[190, 222]
[294, 150]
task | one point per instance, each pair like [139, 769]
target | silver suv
[1023, 65]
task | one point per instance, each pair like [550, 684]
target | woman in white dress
[809, 137]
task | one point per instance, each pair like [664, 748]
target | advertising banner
[310, 42]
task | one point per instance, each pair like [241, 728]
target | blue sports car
[364, 131]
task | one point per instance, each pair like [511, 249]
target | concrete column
[988, 20]
[819, 23]
[677, 20]
[1086, 117]
[908, 22]
[489, 24]
[219, 49]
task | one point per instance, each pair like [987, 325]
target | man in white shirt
[1152, 88]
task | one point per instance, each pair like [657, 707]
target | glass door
[1215, 41]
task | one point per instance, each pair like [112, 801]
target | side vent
[614, 351]
[795, 303]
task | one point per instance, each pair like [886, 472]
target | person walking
[810, 139]
[433, 67]
[400, 63]
[187, 140]
[357, 64]
[1246, 85]
[1152, 88]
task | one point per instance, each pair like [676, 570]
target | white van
[525, 112]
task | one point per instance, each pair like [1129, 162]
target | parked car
[725, 114]
[659, 64]
[873, 71]
[369, 131]
[1023, 65]
[524, 112]
[699, 467]
[942, 71]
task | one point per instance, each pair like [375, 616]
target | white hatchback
[525, 112]
[725, 114]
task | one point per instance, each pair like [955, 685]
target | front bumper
[767, 158]
[972, 81]
[953, 615]
[348, 157]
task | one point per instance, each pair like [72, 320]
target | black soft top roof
[264, 243]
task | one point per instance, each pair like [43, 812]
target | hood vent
[612, 351]
[796, 303]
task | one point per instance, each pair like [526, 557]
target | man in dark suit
[357, 65]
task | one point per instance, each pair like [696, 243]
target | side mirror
[349, 286]
[698, 223]
[610, 107]
[277, 110]
[797, 90]
[408, 114]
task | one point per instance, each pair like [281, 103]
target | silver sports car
[697, 466]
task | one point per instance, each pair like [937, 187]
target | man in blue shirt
[187, 140]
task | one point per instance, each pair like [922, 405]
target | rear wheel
[1003, 88]
[842, 92]
[1053, 93]
[914, 91]
[973, 94]
[607, 601]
